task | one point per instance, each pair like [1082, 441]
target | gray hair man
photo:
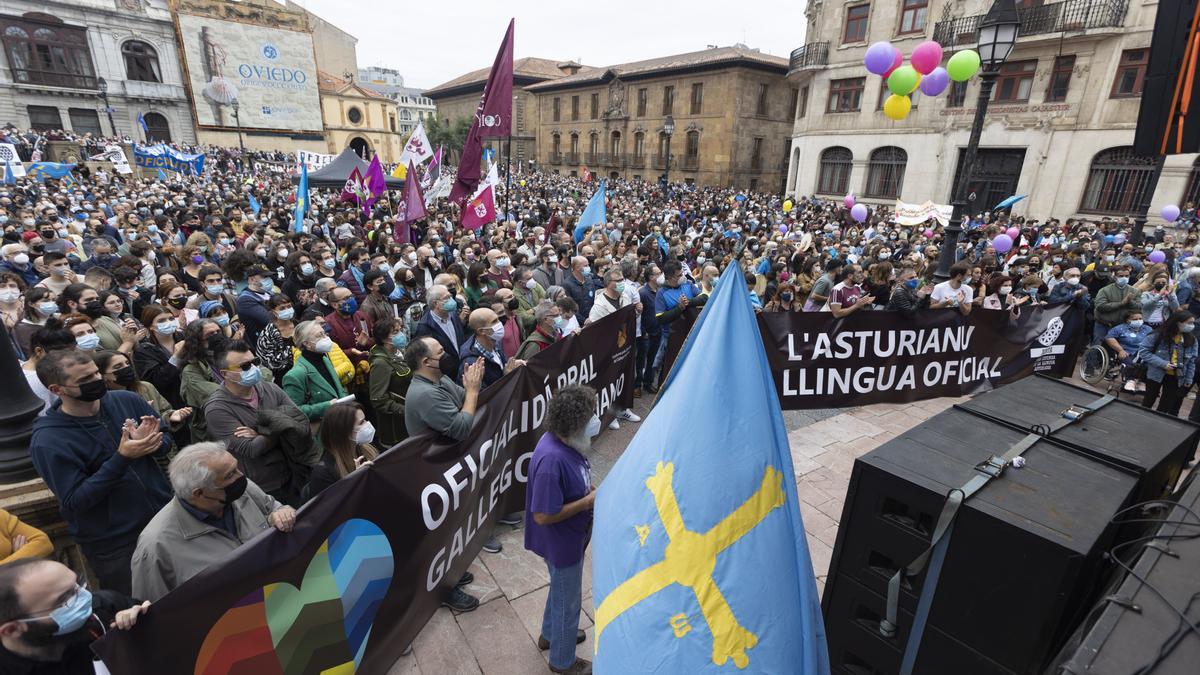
[323, 287]
[216, 509]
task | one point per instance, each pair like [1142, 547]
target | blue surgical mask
[214, 289]
[73, 615]
[222, 320]
[267, 285]
[559, 322]
[912, 284]
[1122, 281]
[251, 377]
[450, 305]
[47, 308]
[167, 327]
[592, 429]
[286, 314]
[329, 263]
[399, 341]
[306, 269]
[88, 342]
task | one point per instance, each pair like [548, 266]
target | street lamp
[669, 130]
[997, 37]
[238, 121]
[102, 85]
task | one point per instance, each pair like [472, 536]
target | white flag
[441, 188]
[417, 148]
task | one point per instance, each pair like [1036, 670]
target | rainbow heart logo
[320, 628]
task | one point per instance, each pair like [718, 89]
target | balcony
[658, 162]
[156, 91]
[635, 161]
[593, 159]
[1072, 15]
[555, 158]
[810, 55]
[572, 159]
[689, 163]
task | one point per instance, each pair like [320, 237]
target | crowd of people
[206, 367]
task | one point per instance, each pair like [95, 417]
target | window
[555, 107]
[574, 108]
[884, 93]
[697, 97]
[957, 95]
[693, 144]
[913, 15]
[141, 61]
[756, 154]
[845, 95]
[668, 99]
[1117, 182]
[614, 144]
[663, 141]
[885, 172]
[355, 115]
[595, 106]
[44, 118]
[1060, 78]
[802, 104]
[642, 95]
[158, 129]
[392, 123]
[85, 121]
[639, 144]
[856, 23]
[760, 106]
[593, 144]
[574, 144]
[1015, 81]
[555, 144]
[51, 54]
[834, 176]
[1131, 73]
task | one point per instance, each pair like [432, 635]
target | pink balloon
[1013, 233]
[896, 63]
[928, 233]
[1002, 243]
[849, 200]
[926, 57]
[1156, 256]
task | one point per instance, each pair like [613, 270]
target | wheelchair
[1099, 364]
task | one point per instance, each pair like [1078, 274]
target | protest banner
[313, 160]
[10, 156]
[168, 158]
[370, 558]
[919, 214]
[115, 154]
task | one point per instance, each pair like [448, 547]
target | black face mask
[177, 303]
[91, 391]
[513, 304]
[234, 490]
[93, 309]
[125, 376]
[216, 343]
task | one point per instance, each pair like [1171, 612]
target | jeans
[647, 351]
[113, 568]
[560, 621]
[1172, 394]
[1099, 330]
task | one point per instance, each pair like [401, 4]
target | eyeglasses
[80, 586]
[245, 366]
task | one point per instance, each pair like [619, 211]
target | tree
[452, 134]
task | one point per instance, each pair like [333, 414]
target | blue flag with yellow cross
[700, 563]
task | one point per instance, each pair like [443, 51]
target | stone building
[359, 118]
[412, 103]
[731, 106]
[1059, 126]
[61, 59]
[458, 98]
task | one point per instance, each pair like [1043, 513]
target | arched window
[141, 61]
[40, 53]
[885, 172]
[406, 115]
[614, 145]
[639, 144]
[556, 143]
[1117, 181]
[693, 144]
[834, 178]
[574, 144]
[158, 129]
[1191, 195]
[593, 144]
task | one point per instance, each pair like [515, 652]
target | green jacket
[388, 385]
[525, 307]
[1110, 308]
[309, 390]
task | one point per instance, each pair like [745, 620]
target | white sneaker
[628, 416]
[613, 424]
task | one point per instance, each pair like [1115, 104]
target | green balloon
[903, 80]
[963, 65]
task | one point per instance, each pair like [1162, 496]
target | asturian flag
[700, 562]
[417, 149]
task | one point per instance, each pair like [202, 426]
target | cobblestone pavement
[500, 638]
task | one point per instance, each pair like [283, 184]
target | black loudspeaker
[1134, 629]
[1022, 565]
[1152, 445]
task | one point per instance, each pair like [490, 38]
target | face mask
[177, 303]
[531, 284]
[912, 284]
[214, 289]
[1136, 323]
[93, 390]
[197, 259]
[329, 263]
[9, 295]
[224, 241]
[1187, 327]
[324, 345]
[47, 308]
[559, 322]
[166, 327]
[125, 376]
[449, 305]
[1121, 281]
[1005, 290]
[251, 377]
[1032, 292]
[1159, 285]
[1073, 281]
[552, 259]
[306, 269]
[661, 280]
[498, 332]
[399, 341]
[234, 490]
[72, 616]
[286, 314]
[587, 270]
[88, 342]
[21, 259]
[348, 306]
[592, 429]
[267, 285]
[282, 254]
[786, 297]
[620, 287]
[365, 433]
[1110, 258]
[58, 271]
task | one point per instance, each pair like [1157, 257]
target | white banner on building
[918, 214]
[116, 155]
[314, 160]
[8, 153]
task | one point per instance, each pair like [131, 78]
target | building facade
[93, 66]
[412, 103]
[731, 107]
[356, 117]
[1059, 125]
[458, 98]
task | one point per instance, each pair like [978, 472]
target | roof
[707, 58]
[331, 84]
[529, 68]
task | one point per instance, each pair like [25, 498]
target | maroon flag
[479, 211]
[493, 117]
[414, 204]
[353, 187]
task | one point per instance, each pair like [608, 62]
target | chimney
[569, 67]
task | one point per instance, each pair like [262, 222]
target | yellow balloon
[787, 206]
[522, 183]
[897, 107]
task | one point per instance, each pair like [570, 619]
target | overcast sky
[432, 41]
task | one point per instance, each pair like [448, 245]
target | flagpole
[508, 173]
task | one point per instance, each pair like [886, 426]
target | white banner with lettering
[314, 160]
[918, 214]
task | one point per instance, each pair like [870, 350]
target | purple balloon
[1156, 256]
[1170, 213]
[1119, 239]
[859, 212]
[1013, 233]
[1002, 243]
[935, 82]
[783, 229]
[879, 57]
[848, 200]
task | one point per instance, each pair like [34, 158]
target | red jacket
[345, 331]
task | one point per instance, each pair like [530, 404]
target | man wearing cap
[252, 303]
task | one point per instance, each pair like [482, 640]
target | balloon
[926, 56]
[1170, 213]
[879, 58]
[783, 229]
[859, 212]
[928, 233]
[1002, 243]
[897, 107]
[1013, 233]
[903, 80]
[1108, 239]
[848, 200]
[897, 61]
[1119, 239]
[740, 198]
[787, 205]
[1156, 256]
[935, 82]
[522, 182]
[963, 65]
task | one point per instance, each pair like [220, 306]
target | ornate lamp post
[669, 130]
[102, 85]
[237, 119]
[997, 37]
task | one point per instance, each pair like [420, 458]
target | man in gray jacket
[434, 402]
[245, 414]
[216, 509]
